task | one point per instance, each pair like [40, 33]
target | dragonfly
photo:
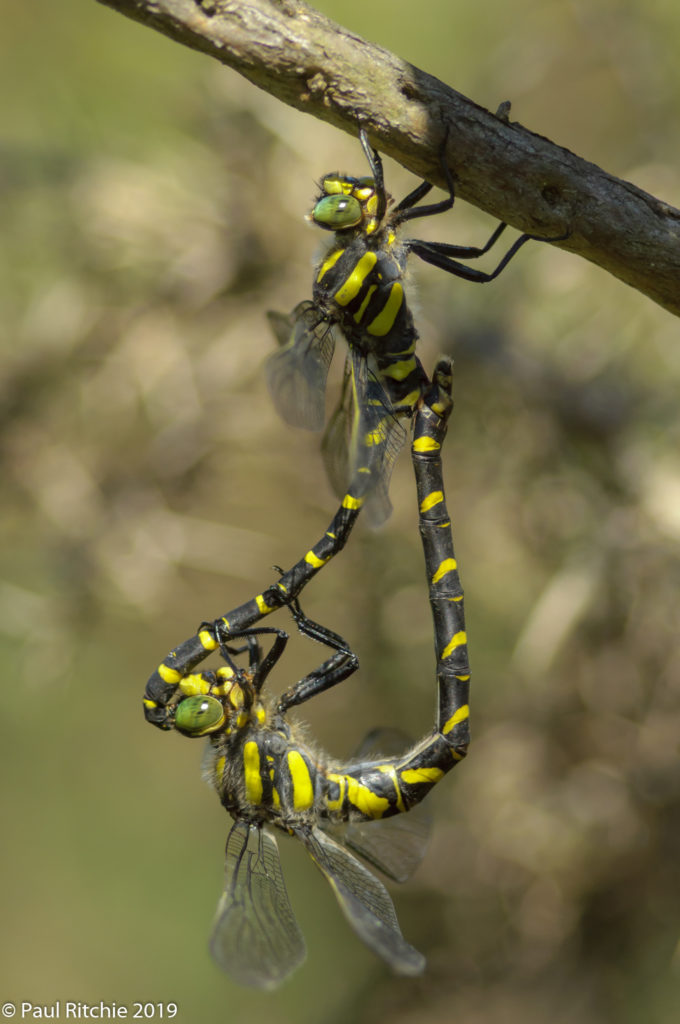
[359, 289]
[272, 781]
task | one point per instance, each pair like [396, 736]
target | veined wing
[256, 938]
[395, 845]
[296, 374]
[363, 439]
[364, 901]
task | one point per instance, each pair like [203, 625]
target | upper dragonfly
[359, 287]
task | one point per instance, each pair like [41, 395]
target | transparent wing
[363, 439]
[396, 845]
[256, 938]
[364, 901]
[336, 438]
[296, 374]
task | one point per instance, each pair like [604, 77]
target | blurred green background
[152, 210]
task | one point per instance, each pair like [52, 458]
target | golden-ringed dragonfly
[359, 288]
[268, 777]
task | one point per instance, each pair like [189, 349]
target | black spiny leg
[440, 254]
[339, 666]
[259, 666]
[375, 163]
[445, 255]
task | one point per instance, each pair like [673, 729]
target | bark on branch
[309, 62]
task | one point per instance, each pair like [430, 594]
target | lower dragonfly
[267, 776]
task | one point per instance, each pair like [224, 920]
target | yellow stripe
[341, 782]
[314, 560]
[219, 769]
[354, 283]
[352, 503]
[328, 263]
[262, 605]
[425, 444]
[208, 641]
[457, 640]
[411, 398]
[251, 770]
[384, 322]
[365, 800]
[399, 370]
[415, 775]
[390, 770]
[169, 675]
[362, 308]
[434, 498]
[149, 704]
[448, 565]
[303, 791]
[458, 716]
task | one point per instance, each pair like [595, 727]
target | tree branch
[309, 62]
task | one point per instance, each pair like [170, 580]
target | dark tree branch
[298, 55]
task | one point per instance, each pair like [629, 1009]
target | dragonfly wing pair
[364, 435]
[256, 938]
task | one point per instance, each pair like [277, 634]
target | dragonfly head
[210, 702]
[346, 203]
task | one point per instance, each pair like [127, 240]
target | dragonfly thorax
[262, 775]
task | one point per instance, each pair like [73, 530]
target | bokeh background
[151, 208]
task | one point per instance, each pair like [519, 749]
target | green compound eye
[198, 715]
[337, 212]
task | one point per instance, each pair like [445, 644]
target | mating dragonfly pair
[264, 773]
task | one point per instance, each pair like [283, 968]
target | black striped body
[264, 774]
[359, 286]
[445, 589]
[358, 289]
